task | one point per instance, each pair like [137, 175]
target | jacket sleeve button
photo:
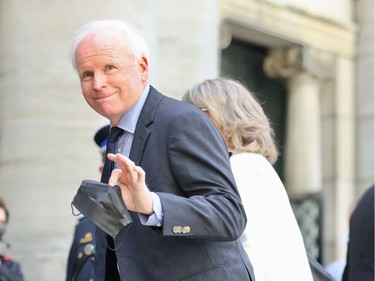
[177, 229]
[186, 229]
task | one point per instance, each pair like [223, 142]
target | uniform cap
[101, 137]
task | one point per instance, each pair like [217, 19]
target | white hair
[112, 29]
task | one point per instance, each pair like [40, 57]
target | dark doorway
[244, 62]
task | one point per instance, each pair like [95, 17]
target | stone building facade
[319, 55]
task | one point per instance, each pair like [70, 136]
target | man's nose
[100, 81]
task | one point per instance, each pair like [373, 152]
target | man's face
[111, 80]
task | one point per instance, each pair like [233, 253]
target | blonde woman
[272, 238]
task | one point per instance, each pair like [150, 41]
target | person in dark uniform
[81, 259]
[10, 270]
[360, 253]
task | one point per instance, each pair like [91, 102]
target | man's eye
[110, 67]
[86, 76]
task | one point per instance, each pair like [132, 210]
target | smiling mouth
[105, 96]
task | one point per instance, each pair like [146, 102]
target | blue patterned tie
[106, 259]
[114, 134]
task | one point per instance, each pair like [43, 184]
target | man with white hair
[172, 167]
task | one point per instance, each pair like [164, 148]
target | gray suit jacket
[186, 163]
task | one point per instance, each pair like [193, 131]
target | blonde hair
[239, 114]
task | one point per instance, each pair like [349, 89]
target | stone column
[303, 69]
[188, 42]
[303, 147]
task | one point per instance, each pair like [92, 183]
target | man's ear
[143, 64]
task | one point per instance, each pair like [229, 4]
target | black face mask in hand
[102, 204]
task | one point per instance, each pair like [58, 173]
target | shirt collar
[129, 120]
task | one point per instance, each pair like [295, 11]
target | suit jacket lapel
[142, 133]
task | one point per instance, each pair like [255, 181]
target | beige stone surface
[46, 128]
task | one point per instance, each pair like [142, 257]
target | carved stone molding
[225, 35]
[287, 62]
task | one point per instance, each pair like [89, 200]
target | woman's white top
[272, 238]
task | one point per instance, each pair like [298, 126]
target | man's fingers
[140, 173]
[123, 162]
[115, 176]
[127, 165]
